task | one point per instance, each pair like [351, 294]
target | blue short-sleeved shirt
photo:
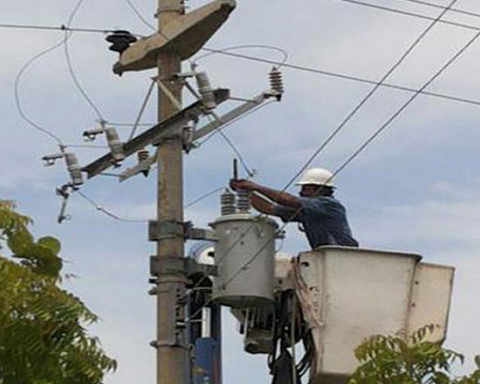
[323, 218]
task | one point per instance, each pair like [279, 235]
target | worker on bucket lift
[322, 217]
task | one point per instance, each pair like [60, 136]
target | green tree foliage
[411, 360]
[43, 339]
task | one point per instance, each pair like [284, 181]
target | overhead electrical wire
[382, 128]
[319, 71]
[108, 212]
[350, 77]
[412, 14]
[139, 14]
[452, 10]
[244, 46]
[18, 103]
[60, 28]
[203, 197]
[343, 124]
[369, 95]
[77, 83]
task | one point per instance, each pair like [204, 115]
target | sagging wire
[220, 129]
[376, 134]
[29, 63]
[369, 95]
[203, 197]
[453, 10]
[329, 139]
[293, 66]
[212, 51]
[17, 97]
[250, 172]
[108, 212]
[62, 28]
[139, 14]
[142, 110]
[412, 14]
[71, 70]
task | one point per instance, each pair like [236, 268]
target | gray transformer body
[245, 257]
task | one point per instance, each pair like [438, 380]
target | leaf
[51, 243]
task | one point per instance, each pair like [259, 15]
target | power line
[360, 105]
[199, 199]
[376, 134]
[139, 15]
[28, 64]
[60, 28]
[245, 46]
[412, 14]
[303, 68]
[349, 77]
[453, 10]
[108, 212]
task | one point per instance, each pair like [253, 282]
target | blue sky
[414, 189]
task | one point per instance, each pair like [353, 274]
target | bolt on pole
[172, 354]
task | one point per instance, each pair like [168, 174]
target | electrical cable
[197, 200]
[28, 64]
[61, 28]
[453, 10]
[374, 136]
[246, 46]
[348, 118]
[310, 70]
[412, 14]
[139, 14]
[219, 129]
[360, 105]
[349, 77]
[107, 212]
[142, 110]
[232, 146]
[17, 97]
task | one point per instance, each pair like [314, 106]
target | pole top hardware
[184, 36]
[179, 266]
[120, 40]
[170, 229]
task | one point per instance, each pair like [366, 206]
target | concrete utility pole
[172, 356]
[179, 37]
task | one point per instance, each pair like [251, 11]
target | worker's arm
[262, 205]
[282, 198]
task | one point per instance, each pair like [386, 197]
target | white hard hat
[317, 176]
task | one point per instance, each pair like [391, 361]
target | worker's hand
[245, 185]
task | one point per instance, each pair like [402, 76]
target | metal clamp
[165, 230]
[170, 229]
[179, 266]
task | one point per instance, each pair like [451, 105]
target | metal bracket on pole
[230, 116]
[183, 37]
[170, 229]
[172, 125]
[168, 93]
[160, 266]
[140, 167]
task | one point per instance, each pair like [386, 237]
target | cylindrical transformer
[244, 255]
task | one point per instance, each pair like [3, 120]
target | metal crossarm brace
[154, 134]
[179, 266]
[229, 116]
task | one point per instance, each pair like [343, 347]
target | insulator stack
[227, 200]
[120, 40]
[143, 155]
[205, 90]
[243, 201]
[276, 82]
[116, 146]
[74, 169]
